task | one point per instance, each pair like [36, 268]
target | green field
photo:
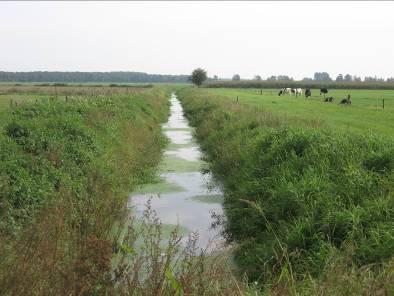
[308, 187]
[364, 115]
[309, 205]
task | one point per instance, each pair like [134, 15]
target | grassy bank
[67, 168]
[311, 208]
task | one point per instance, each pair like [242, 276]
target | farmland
[308, 189]
[365, 115]
[308, 198]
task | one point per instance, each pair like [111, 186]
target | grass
[299, 194]
[66, 171]
[365, 115]
[67, 168]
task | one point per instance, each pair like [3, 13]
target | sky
[247, 38]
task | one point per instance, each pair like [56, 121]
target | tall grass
[308, 207]
[67, 168]
[66, 171]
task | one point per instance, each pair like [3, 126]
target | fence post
[10, 102]
[383, 103]
[237, 99]
[261, 92]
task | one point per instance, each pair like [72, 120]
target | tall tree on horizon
[236, 77]
[199, 75]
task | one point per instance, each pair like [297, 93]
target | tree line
[317, 76]
[72, 77]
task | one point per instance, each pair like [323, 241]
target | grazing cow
[323, 91]
[346, 101]
[284, 91]
[298, 91]
[308, 93]
[329, 99]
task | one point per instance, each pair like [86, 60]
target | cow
[323, 91]
[329, 99]
[298, 91]
[346, 101]
[308, 93]
[284, 91]
[287, 90]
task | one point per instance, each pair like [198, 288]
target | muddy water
[185, 196]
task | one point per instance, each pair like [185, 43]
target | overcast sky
[265, 38]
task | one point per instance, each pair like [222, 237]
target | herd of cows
[308, 93]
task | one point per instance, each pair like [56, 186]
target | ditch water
[185, 196]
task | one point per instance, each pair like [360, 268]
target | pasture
[365, 115]
[307, 205]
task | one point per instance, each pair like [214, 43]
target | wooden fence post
[383, 103]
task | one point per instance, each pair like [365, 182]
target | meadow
[365, 115]
[308, 192]
[309, 203]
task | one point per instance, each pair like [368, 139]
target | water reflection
[182, 207]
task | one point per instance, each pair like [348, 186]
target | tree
[339, 78]
[199, 76]
[322, 76]
[257, 77]
[348, 78]
[72, 77]
[272, 78]
[236, 77]
[215, 77]
[284, 78]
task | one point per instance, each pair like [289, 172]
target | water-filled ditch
[185, 196]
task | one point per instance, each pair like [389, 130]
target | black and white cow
[323, 91]
[308, 93]
[298, 91]
[329, 99]
[284, 91]
[346, 101]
